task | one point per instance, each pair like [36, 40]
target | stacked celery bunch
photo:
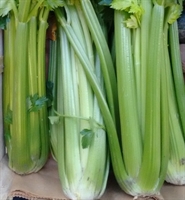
[115, 90]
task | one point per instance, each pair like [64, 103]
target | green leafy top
[175, 12]
[53, 4]
[133, 8]
[8, 116]
[26, 9]
[131, 22]
[3, 21]
[5, 7]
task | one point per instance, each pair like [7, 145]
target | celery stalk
[105, 56]
[164, 115]
[43, 114]
[9, 37]
[33, 118]
[145, 27]
[131, 138]
[151, 155]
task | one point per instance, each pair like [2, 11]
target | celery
[176, 165]
[143, 95]
[81, 146]
[24, 100]
[1, 113]
[128, 108]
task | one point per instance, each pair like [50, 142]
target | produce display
[104, 94]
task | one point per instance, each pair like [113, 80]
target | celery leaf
[49, 92]
[87, 136]
[52, 4]
[54, 119]
[137, 10]
[5, 7]
[8, 116]
[131, 22]
[175, 12]
[3, 21]
[7, 135]
[121, 5]
[35, 102]
[105, 2]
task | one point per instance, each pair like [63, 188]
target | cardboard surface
[46, 185]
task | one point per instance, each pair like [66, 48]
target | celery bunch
[1, 113]
[144, 93]
[24, 90]
[80, 58]
[176, 165]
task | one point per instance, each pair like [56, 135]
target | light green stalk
[131, 139]
[105, 56]
[33, 118]
[145, 28]
[136, 45]
[41, 71]
[152, 138]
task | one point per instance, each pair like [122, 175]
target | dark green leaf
[54, 119]
[3, 21]
[105, 2]
[86, 138]
[35, 102]
[8, 116]
[7, 135]
[49, 92]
